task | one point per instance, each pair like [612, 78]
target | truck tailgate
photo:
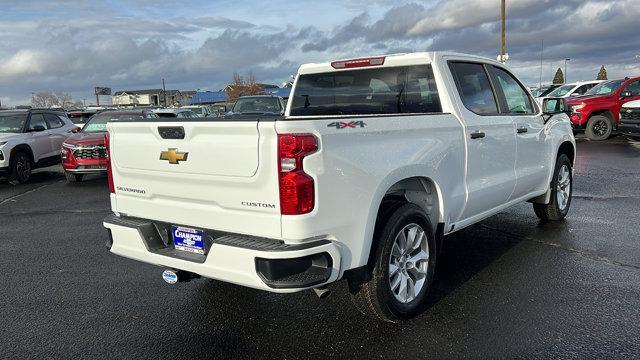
[219, 175]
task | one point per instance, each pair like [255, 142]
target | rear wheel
[20, 168]
[561, 191]
[599, 128]
[403, 267]
[72, 178]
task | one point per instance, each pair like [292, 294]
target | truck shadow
[253, 319]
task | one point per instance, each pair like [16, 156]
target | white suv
[569, 90]
[374, 161]
[30, 139]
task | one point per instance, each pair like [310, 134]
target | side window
[54, 121]
[37, 120]
[583, 89]
[633, 87]
[515, 96]
[474, 88]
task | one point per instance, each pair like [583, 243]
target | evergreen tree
[602, 74]
[558, 79]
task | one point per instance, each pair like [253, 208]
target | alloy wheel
[563, 187]
[408, 263]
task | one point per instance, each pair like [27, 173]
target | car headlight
[575, 108]
[68, 146]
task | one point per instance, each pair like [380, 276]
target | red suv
[85, 152]
[597, 112]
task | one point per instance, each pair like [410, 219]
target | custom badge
[173, 156]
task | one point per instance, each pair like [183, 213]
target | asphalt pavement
[507, 287]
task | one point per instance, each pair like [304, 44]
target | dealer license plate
[188, 239]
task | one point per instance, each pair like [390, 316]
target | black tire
[373, 295]
[21, 166]
[73, 178]
[555, 210]
[599, 128]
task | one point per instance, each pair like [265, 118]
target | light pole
[565, 69]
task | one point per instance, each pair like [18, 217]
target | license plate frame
[188, 239]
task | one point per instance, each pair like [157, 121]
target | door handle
[477, 135]
[522, 130]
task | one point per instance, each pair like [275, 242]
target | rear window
[167, 115]
[391, 90]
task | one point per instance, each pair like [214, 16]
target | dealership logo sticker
[173, 156]
[170, 276]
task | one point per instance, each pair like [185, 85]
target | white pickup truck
[374, 161]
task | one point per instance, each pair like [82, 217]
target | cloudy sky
[73, 45]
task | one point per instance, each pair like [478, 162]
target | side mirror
[37, 128]
[76, 130]
[553, 106]
[626, 94]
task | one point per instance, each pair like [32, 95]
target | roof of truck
[389, 60]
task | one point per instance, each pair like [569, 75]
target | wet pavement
[507, 287]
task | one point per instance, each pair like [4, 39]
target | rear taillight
[296, 187]
[107, 144]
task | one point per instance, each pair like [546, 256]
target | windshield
[561, 91]
[12, 123]
[257, 105]
[538, 91]
[605, 88]
[98, 123]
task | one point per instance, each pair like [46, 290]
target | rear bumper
[259, 263]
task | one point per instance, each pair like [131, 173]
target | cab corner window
[474, 88]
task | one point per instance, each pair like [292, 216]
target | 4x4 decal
[350, 124]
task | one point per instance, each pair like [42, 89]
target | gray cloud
[125, 51]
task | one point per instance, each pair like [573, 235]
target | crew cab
[374, 162]
[29, 139]
[598, 111]
[85, 152]
[630, 118]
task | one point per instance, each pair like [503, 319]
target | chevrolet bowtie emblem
[173, 156]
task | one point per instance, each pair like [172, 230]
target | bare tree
[241, 87]
[48, 99]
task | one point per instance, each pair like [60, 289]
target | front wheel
[20, 168]
[599, 128]
[561, 192]
[402, 270]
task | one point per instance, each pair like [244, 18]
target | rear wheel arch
[418, 190]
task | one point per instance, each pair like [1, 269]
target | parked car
[250, 106]
[597, 112]
[544, 90]
[630, 118]
[30, 139]
[81, 116]
[200, 110]
[175, 113]
[85, 152]
[569, 90]
[362, 185]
